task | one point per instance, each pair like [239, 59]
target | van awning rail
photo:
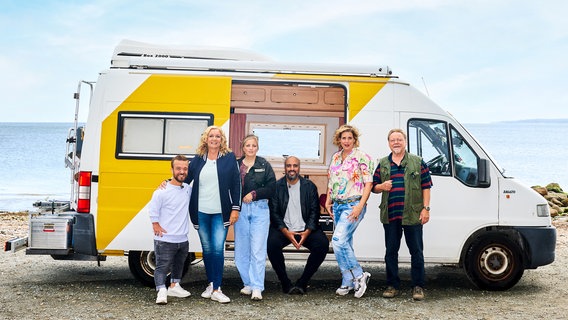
[250, 66]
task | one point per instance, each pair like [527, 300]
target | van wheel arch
[142, 265]
[494, 261]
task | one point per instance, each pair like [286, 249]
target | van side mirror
[484, 176]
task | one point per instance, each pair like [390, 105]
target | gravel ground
[35, 287]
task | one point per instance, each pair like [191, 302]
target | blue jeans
[213, 234]
[413, 237]
[342, 241]
[170, 257]
[251, 234]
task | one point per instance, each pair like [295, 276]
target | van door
[462, 200]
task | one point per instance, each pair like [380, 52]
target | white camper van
[154, 102]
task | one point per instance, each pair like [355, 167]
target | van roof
[138, 55]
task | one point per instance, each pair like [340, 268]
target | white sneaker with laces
[361, 284]
[343, 290]
[162, 297]
[178, 291]
[256, 295]
[208, 291]
[246, 290]
[219, 296]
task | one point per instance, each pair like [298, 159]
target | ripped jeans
[342, 241]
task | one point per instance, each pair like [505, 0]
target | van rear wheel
[142, 265]
[494, 262]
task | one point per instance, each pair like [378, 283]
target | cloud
[478, 58]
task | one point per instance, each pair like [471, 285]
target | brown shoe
[418, 293]
[390, 292]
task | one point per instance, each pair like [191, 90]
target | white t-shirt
[209, 198]
[293, 216]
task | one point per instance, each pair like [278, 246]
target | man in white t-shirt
[170, 221]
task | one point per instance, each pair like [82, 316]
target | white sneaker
[343, 290]
[178, 291]
[361, 284]
[219, 296]
[256, 295]
[246, 290]
[208, 291]
[162, 297]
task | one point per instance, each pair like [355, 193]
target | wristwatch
[427, 208]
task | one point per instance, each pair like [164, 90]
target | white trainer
[361, 284]
[341, 291]
[246, 290]
[256, 295]
[162, 297]
[178, 291]
[219, 296]
[208, 291]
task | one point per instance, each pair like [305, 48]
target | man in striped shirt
[404, 180]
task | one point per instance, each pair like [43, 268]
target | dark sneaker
[390, 292]
[418, 293]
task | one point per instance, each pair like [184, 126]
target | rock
[554, 187]
[556, 202]
[541, 190]
[553, 213]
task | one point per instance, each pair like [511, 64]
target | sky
[482, 60]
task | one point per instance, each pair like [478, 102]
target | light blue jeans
[342, 241]
[251, 234]
[212, 234]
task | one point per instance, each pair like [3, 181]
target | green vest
[413, 202]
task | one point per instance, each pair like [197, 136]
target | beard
[180, 177]
[291, 175]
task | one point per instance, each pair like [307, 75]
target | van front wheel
[494, 262]
[143, 263]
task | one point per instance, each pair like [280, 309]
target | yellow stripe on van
[126, 186]
[360, 93]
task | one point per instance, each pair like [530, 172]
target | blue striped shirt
[396, 194]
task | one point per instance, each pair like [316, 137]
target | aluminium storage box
[50, 232]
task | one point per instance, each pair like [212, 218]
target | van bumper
[541, 245]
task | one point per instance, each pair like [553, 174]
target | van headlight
[542, 210]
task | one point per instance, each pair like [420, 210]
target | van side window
[429, 139]
[159, 136]
[465, 159]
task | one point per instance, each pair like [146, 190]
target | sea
[32, 166]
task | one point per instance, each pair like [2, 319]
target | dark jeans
[413, 237]
[170, 257]
[317, 243]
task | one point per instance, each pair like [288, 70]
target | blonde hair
[202, 148]
[341, 130]
[394, 131]
[247, 138]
